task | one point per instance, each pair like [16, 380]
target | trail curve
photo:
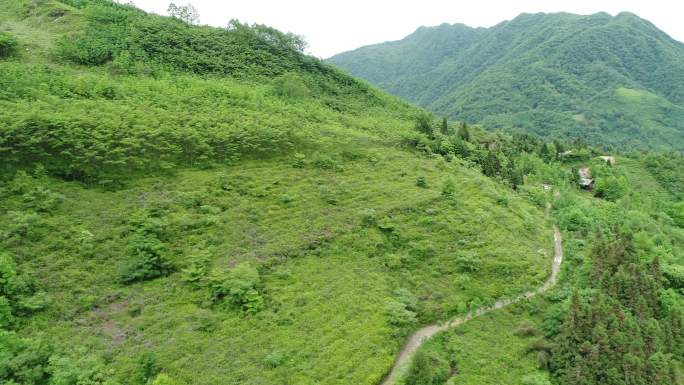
[421, 335]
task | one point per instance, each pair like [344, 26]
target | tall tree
[445, 127]
[545, 153]
[463, 132]
[615, 333]
[560, 149]
[424, 125]
[186, 13]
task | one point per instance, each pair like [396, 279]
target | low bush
[148, 259]
[393, 261]
[427, 369]
[238, 287]
[399, 315]
[147, 369]
[449, 189]
[468, 263]
[87, 49]
[291, 86]
[369, 217]
[299, 160]
[574, 219]
[526, 329]
[8, 44]
[42, 199]
[611, 188]
[324, 162]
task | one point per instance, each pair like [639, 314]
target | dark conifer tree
[463, 132]
[424, 125]
[617, 335]
[545, 153]
[445, 127]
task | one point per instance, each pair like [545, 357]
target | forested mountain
[610, 79]
[182, 204]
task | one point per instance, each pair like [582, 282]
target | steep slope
[555, 75]
[191, 205]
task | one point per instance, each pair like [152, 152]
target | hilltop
[615, 80]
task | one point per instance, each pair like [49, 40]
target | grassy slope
[491, 348]
[326, 277]
[327, 283]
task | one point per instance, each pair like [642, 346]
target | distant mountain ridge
[618, 80]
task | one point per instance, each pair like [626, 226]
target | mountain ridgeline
[616, 80]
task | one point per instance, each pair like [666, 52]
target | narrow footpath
[421, 335]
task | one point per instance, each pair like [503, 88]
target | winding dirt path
[423, 334]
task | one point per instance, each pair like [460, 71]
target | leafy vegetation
[616, 80]
[8, 44]
[287, 220]
[182, 204]
[616, 314]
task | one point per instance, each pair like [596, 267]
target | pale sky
[333, 27]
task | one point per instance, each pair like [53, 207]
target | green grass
[326, 275]
[355, 232]
[491, 349]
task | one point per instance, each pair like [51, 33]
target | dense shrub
[291, 86]
[674, 274]
[23, 360]
[240, 287]
[449, 189]
[574, 219]
[11, 284]
[468, 263]
[42, 199]
[8, 44]
[18, 292]
[24, 226]
[78, 367]
[427, 369]
[88, 49]
[147, 368]
[148, 259]
[676, 212]
[97, 128]
[611, 188]
[399, 315]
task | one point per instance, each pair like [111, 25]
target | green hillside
[553, 75]
[185, 204]
[182, 204]
[619, 255]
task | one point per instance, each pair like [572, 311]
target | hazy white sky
[333, 27]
